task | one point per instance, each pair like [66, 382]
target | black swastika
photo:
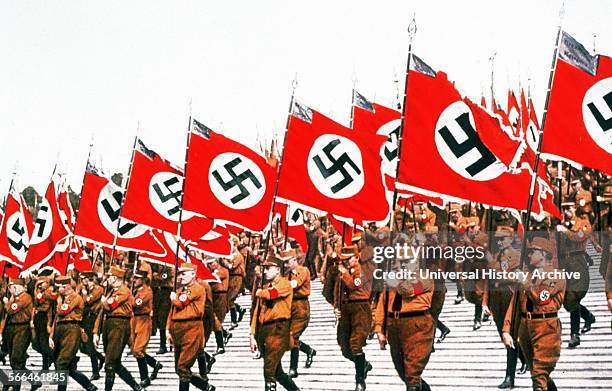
[237, 180]
[19, 230]
[473, 141]
[606, 124]
[169, 195]
[337, 165]
[295, 216]
[391, 154]
[113, 213]
[41, 222]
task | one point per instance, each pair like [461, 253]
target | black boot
[551, 386]
[201, 383]
[143, 370]
[210, 360]
[234, 318]
[95, 370]
[293, 363]
[511, 356]
[184, 386]
[270, 386]
[521, 357]
[127, 377]
[226, 337]
[241, 312]
[310, 353]
[443, 329]
[459, 297]
[574, 341]
[424, 386]
[153, 363]
[109, 381]
[101, 361]
[588, 317]
[360, 372]
[287, 382]
[202, 365]
[413, 388]
[219, 340]
[83, 381]
[162, 342]
[46, 362]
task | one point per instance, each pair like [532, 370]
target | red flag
[514, 112]
[445, 138]
[169, 243]
[203, 272]
[227, 181]
[98, 215]
[579, 120]
[377, 119]
[66, 211]
[343, 229]
[15, 231]
[216, 243]
[524, 113]
[292, 222]
[49, 234]
[153, 196]
[328, 167]
[532, 134]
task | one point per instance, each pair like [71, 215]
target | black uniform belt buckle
[411, 314]
[544, 315]
[395, 314]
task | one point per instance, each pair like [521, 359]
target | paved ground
[466, 360]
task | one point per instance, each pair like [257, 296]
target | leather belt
[235, 275]
[538, 315]
[411, 314]
[69, 321]
[187, 320]
[19, 323]
[118, 317]
[356, 301]
[145, 314]
[300, 298]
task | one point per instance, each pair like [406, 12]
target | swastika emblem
[597, 113]
[335, 166]
[109, 207]
[389, 150]
[17, 236]
[236, 181]
[43, 224]
[165, 191]
[460, 146]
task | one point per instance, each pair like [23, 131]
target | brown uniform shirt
[276, 301]
[578, 233]
[70, 308]
[237, 265]
[189, 303]
[415, 295]
[537, 296]
[356, 284]
[92, 298]
[19, 309]
[44, 299]
[300, 282]
[223, 275]
[119, 303]
[143, 300]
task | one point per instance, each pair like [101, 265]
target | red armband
[545, 296]
[138, 302]
[183, 299]
[64, 309]
[418, 288]
[273, 293]
[15, 308]
[112, 303]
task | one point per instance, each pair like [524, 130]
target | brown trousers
[437, 299]
[300, 317]
[18, 337]
[576, 288]
[209, 321]
[88, 324]
[500, 298]
[141, 327]
[540, 341]
[220, 309]
[40, 340]
[188, 338]
[115, 335]
[353, 328]
[411, 341]
[235, 285]
[66, 339]
[273, 342]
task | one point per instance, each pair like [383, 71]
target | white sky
[73, 70]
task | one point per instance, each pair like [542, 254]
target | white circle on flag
[335, 166]
[597, 113]
[467, 160]
[294, 216]
[43, 224]
[389, 150]
[532, 136]
[236, 181]
[17, 234]
[165, 191]
[108, 211]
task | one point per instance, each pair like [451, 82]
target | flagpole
[180, 220]
[280, 166]
[534, 175]
[412, 28]
[4, 212]
[127, 182]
